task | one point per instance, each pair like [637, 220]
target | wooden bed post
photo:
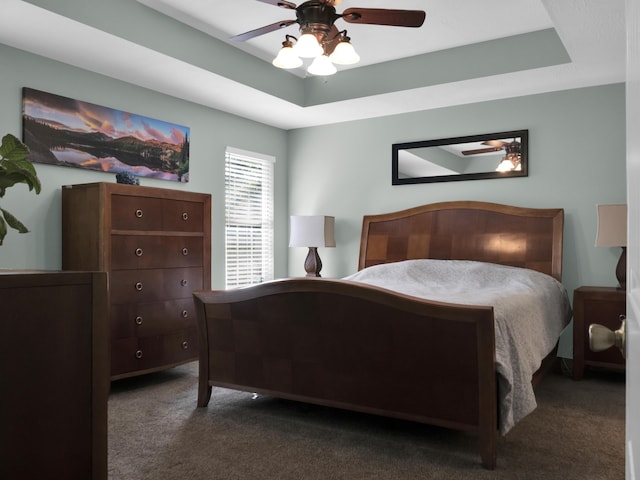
[204, 389]
[488, 394]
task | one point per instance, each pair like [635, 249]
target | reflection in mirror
[494, 155]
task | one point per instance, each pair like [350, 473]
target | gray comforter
[531, 310]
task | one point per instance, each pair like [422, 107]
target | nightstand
[603, 305]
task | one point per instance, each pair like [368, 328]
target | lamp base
[621, 269]
[312, 263]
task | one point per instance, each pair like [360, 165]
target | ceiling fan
[512, 158]
[320, 38]
[495, 146]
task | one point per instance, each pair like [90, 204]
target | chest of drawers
[155, 245]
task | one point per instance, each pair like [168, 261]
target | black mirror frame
[524, 155]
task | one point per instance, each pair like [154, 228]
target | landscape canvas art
[67, 132]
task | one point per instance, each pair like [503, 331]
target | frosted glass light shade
[312, 231]
[612, 225]
[322, 66]
[287, 58]
[505, 165]
[307, 46]
[344, 54]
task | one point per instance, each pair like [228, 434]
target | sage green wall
[576, 160]
[211, 132]
[576, 152]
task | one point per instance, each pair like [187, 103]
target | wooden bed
[363, 348]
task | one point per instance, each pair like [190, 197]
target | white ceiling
[592, 31]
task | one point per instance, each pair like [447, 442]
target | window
[248, 218]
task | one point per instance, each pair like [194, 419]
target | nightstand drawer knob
[185, 216]
[138, 286]
[139, 213]
[139, 252]
[138, 353]
[138, 320]
[601, 338]
[185, 251]
[185, 314]
[185, 345]
[183, 282]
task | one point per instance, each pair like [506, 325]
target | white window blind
[248, 218]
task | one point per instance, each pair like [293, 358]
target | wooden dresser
[155, 244]
[54, 375]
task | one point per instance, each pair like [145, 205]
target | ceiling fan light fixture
[506, 165]
[307, 46]
[344, 53]
[287, 57]
[512, 160]
[322, 66]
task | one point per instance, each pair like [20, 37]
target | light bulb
[287, 58]
[322, 66]
[307, 46]
[344, 54]
[505, 165]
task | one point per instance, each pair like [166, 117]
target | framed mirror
[475, 157]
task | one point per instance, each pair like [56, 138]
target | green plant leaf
[15, 168]
[14, 222]
[3, 229]
[18, 171]
[13, 149]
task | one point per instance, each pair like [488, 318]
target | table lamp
[312, 231]
[612, 232]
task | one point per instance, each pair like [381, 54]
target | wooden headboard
[467, 230]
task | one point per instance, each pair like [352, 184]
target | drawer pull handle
[183, 282]
[138, 286]
[139, 320]
[185, 345]
[185, 216]
[139, 213]
[139, 252]
[185, 314]
[185, 251]
[138, 353]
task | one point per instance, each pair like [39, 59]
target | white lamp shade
[312, 231]
[612, 225]
[322, 66]
[505, 165]
[287, 58]
[344, 54]
[307, 46]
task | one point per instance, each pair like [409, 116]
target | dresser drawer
[149, 319]
[153, 285]
[151, 251]
[182, 216]
[140, 354]
[131, 212]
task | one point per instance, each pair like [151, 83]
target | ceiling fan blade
[495, 143]
[383, 16]
[262, 30]
[481, 150]
[280, 3]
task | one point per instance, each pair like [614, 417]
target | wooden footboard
[353, 346]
